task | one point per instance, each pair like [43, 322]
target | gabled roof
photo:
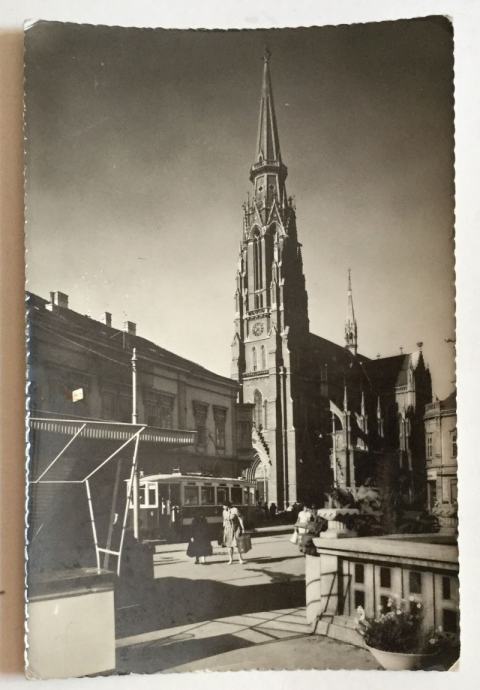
[393, 371]
[108, 341]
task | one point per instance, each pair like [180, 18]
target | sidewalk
[227, 617]
[263, 640]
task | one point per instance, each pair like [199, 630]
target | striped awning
[113, 431]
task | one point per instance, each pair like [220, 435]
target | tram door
[168, 496]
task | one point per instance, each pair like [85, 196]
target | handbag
[244, 543]
[294, 537]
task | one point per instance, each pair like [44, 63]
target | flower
[397, 628]
[360, 613]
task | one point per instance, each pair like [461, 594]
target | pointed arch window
[258, 410]
[257, 266]
[263, 357]
[254, 359]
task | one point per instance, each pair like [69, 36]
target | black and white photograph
[240, 326]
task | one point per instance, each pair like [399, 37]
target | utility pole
[135, 487]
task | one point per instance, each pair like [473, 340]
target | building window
[415, 582]
[432, 493]
[200, 411]
[453, 491]
[257, 400]
[159, 410]
[359, 598]
[385, 578]
[446, 588]
[384, 602]
[264, 358]
[454, 443]
[450, 621]
[254, 359]
[220, 417]
[265, 414]
[429, 446]
[359, 573]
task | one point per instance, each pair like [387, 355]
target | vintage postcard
[241, 398]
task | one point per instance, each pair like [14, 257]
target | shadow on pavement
[144, 604]
[171, 601]
[160, 656]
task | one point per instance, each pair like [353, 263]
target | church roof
[96, 336]
[393, 371]
[450, 402]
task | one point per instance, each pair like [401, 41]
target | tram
[169, 502]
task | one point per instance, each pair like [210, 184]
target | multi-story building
[323, 411]
[82, 368]
[441, 450]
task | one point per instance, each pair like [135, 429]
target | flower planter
[398, 661]
[336, 522]
[448, 524]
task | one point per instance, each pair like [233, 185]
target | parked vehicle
[169, 502]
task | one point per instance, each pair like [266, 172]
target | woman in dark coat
[199, 545]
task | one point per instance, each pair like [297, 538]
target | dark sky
[139, 144]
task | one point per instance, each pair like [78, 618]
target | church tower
[271, 312]
[350, 322]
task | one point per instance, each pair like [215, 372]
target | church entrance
[262, 474]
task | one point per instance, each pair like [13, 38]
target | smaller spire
[350, 321]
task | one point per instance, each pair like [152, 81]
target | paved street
[225, 617]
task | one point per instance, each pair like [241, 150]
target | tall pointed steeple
[350, 321]
[268, 144]
[268, 173]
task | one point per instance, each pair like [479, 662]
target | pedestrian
[273, 510]
[232, 528]
[304, 518]
[199, 545]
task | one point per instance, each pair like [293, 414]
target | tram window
[141, 496]
[236, 495]
[222, 495]
[246, 496]
[207, 494]
[152, 496]
[174, 494]
[191, 496]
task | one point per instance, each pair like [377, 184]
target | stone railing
[368, 571]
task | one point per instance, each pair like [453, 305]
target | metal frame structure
[112, 431]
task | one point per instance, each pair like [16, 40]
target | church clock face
[257, 328]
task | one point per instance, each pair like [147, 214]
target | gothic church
[324, 414]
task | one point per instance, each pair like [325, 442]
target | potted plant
[396, 637]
